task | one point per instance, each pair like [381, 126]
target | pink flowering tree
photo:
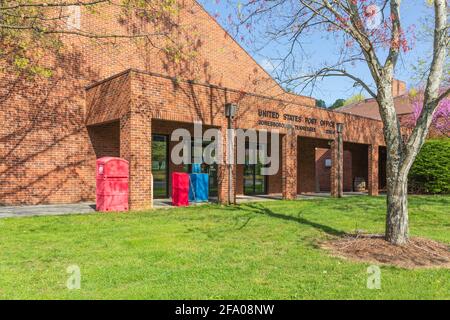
[441, 117]
[370, 32]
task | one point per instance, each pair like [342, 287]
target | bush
[430, 172]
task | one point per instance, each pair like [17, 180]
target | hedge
[430, 172]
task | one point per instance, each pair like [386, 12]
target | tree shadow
[260, 209]
[42, 156]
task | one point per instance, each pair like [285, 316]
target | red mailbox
[180, 189]
[112, 184]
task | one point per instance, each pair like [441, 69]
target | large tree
[372, 33]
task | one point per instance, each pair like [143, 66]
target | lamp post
[230, 113]
[340, 169]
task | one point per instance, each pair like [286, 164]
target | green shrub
[430, 172]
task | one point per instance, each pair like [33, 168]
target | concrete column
[372, 171]
[289, 165]
[135, 146]
[337, 168]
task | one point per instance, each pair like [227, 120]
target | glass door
[160, 166]
[254, 181]
[211, 170]
[260, 180]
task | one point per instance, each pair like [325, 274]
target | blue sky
[318, 48]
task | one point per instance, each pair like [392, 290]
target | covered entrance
[249, 178]
[163, 167]
[138, 130]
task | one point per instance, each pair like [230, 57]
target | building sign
[296, 122]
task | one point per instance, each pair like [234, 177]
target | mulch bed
[418, 253]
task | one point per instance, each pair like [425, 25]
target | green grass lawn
[265, 250]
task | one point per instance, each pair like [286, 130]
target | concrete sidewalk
[46, 210]
[72, 208]
[89, 207]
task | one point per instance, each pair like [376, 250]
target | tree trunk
[396, 169]
[397, 230]
[397, 194]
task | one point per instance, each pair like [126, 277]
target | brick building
[368, 109]
[125, 99]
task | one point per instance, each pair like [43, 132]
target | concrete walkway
[89, 207]
[316, 195]
[46, 210]
[263, 197]
[167, 203]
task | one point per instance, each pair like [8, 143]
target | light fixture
[339, 127]
[230, 110]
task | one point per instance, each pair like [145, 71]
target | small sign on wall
[328, 163]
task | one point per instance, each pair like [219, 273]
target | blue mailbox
[196, 168]
[198, 187]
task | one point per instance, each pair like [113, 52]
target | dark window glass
[160, 166]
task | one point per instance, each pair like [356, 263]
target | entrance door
[160, 166]
[211, 170]
[254, 181]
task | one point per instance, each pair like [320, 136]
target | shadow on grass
[260, 209]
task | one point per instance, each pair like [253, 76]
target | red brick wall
[289, 165]
[45, 152]
[105, 139]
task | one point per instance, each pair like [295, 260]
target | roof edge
[127, 71]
